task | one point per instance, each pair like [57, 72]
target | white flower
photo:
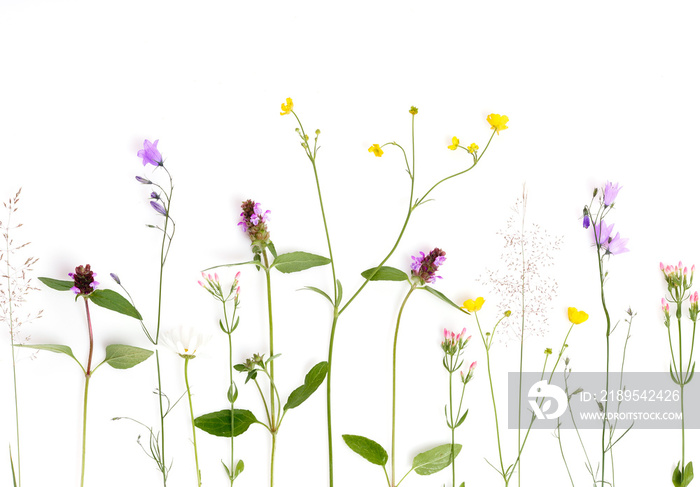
[185, 342]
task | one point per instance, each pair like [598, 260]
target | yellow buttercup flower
[287, 107]
[376, 150]
[472, 148]
[577, 317]
[498, 122]
[455, 144]
[413, 111]
[471, 305]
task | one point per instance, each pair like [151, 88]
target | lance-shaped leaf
[56, 284]
[65, 349]
[317, 290]
[444, 298]
[312, 381]
[125, 356]
[298, 261]
[219, 422]
[385, 273]
[368, 449]
[106, 298]
[435, 459]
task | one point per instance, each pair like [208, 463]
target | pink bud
[680, 264]
[669, 269]
[446, 333]
[469, 337]
[661, 265]
[200, 283]
[238, 275]
[216, 277]
[685, 271]
[464, 331]
[472, 366]
[461, 373]
[204, 276]
[238, 290]
[692, 269]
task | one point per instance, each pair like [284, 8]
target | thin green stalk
[607, 353]
[85, 404]
[273, 418]
[561, 449]
[194, 430]
[681, 381]
[522, 326]
[229, 332]
[452, 427]
[393, 389]
[493, 396]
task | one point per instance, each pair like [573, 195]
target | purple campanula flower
[610, 193]
[616, 245]
[154, 195]
[159, 208]
[150, 153]
[115, 277]
[425, 266]
[143, 180]
[84, 280]
[586, 218]
[602, 232]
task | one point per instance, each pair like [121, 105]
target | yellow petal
[577, 317]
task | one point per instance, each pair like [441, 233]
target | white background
[595, 91]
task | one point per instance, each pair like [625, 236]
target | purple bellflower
[150, 153]
[159, 208]
[610, 193]
[612, 245]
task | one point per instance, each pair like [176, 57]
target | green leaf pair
[105, 298]
[117, 356]
[219, 423]
[683, 479]
[426, 463]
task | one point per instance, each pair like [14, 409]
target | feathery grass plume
[15, 286]
[525, 285]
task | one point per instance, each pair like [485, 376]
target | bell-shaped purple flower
[159, 208]
[610, 193]
[616, 245]
[143, 180]
[150, 153]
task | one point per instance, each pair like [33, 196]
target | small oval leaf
[368, 449]
[219, 422]
[435, 459]
[298, 261]
[385, 273]
[125, 356]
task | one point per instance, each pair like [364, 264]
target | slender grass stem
[88, 373]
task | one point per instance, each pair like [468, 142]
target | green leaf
[692, 373]
[114, 301]
[435, 459]
[312, 381]
[272, 248]
[56, 284]
[461, 485]
[219, 423]
[677, 477]
[239, 469]
[56, 349]
[438, 294]
[673, 377]
[298, 261]
[461, 420]
[339, 298]
[370, 450]
[232, 393]
[385, 273]
[317, 290]
[683, 479]
[125, 356]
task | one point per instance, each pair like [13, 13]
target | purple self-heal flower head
[158, 207]
[610, 193]
[150, 153]
[254, 222]
[425, 266]
[83, 280]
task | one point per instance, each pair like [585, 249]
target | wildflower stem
[393, 389]
[274, 424]
[452, 428]
[493, 397]
[194, 431]
[85, 403]
[522, 321]
[681, 381]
